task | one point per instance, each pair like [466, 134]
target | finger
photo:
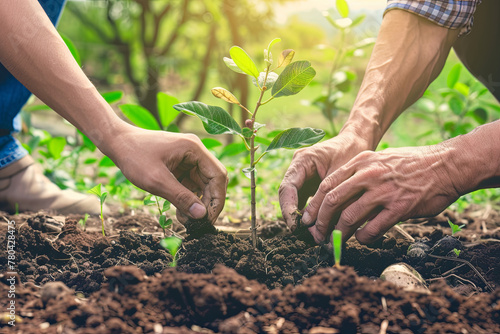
[211, 177]
[331, 182]
[292, 182]
[214, 196]
[334, 202]
[376, 227]
[166, 185]
[356, 214]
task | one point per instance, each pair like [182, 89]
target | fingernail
[306, 218]
[197, 211]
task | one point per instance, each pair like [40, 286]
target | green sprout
[337, 246]
[455, 228]
[83, 222]
[294, 77]
[97, 190]
[162, 220]
[457, 252]
[172, 244]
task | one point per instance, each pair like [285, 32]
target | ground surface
[76, 281]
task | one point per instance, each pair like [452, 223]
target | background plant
[172, 244]
[165, 223]
[294, 77]
[101, 195]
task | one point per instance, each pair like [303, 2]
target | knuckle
[331, 199]
[183, 200]
[348, 217]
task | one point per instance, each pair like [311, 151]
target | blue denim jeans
[13, 96]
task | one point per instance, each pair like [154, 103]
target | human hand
[309, 167]
[174, 166]
[382, 188]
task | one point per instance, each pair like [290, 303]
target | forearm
[473, 160]
[409, 54]
[35, 54]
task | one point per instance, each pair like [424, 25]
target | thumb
[181, 197]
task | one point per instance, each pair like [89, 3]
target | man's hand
[309, 167]
[174, 166]
[382, 189]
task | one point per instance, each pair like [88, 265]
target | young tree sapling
[164, 222]
[172, 244]
[294, 77]
[97, 190]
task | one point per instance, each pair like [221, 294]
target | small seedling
[457, 252]
[337, 246]
[455, 228]
[294, 77]
[83, 221]
[97, 190]
[172, 244]
[164, 222]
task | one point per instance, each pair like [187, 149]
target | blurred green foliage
[148, 55]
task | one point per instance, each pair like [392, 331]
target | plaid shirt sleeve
[451, 14]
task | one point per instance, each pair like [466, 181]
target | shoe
[23, 184]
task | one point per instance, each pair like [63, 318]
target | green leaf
[453, 76]
[247, 132]
[215, 119]
[243, 61]
[293, 78]
[56, 146]
[225, 95]
[140, 116]
[112, 97]
[96, 190]
[171, 244]
[286, 57]
[342, 8]
[456, 105]
[166, 206]
[106, 162]
[211, 143]
[72, 49]
[89, 161]
[148, 200]
[232, 65]
[166, 109]
[337, 246]
[296, 138]
[163, 221]
[232, 150]
[87, 142]
[480, 115]
[357, 21]
[274, 41]
[103, 196]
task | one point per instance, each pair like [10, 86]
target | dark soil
[72, 281]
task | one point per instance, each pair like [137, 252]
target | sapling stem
[337, 246]
[294, 77]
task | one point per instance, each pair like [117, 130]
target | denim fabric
[13, 96]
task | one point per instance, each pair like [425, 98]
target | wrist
[472, 160]
[364, 129]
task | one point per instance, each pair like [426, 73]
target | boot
[22, 183]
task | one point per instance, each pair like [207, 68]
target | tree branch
[175, 32]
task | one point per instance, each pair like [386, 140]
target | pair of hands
[353, 187]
